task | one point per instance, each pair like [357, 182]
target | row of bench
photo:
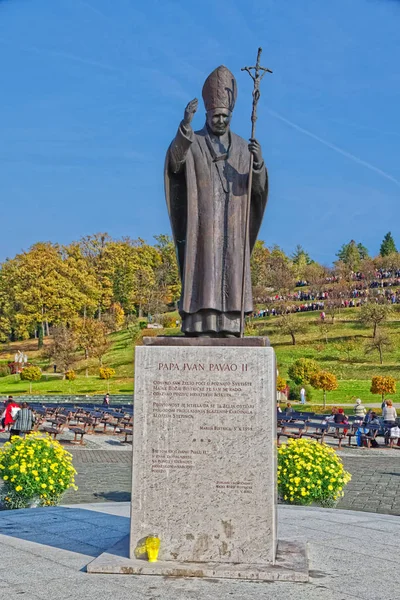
[317, 427]
[81, 422]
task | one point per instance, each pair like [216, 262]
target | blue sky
[92, 92]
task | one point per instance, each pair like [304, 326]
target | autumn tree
[279, 274]
[259, 270]
[290, 325]
[380, 343]
[167, 277]
[388, 246]
[94, 249]
[42, 290]
[374, 314]
[92, 339]
[347, 347]
[325, 381]
[302, 369]
[62, 348]
[383, 385]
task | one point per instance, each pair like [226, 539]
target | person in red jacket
[10, 413]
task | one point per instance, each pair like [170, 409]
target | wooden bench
[291, 430]
[316, 431]
[128, 431]
[58, 427]
[77, 431]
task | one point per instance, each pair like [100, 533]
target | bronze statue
[206, 187]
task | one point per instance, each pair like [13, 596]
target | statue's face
[218, 120]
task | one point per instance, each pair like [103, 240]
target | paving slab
[352, 556]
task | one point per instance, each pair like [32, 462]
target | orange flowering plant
[36, 470]
[309, 472]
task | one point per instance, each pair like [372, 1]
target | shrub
[70, 375]
[4, 371]
[302, 370]
[31, 374]
[168, 320]
[310, 472]
[106, 372]
[280, 384]
[36, 470]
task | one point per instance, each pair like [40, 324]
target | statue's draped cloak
[206, 195]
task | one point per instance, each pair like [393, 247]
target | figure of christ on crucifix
[206, 185]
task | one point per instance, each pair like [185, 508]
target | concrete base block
[291, 565]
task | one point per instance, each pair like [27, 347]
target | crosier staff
[259, 73]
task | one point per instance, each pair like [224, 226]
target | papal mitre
[219, 89]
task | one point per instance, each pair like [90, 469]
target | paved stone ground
[105, 475]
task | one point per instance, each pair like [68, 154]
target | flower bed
[309, 472]
[36, 470]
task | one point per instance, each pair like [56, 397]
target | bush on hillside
[106, 372]
[302, 370]
[70, 375]
[4, 371]
[31, 374]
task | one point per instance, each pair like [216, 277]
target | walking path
[105, 475]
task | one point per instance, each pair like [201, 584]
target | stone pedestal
[204, 462]
[204, 452]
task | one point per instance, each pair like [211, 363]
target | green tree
[290, 325]
[374, 314]
[352, 254]
[388, 246]
[302, 369]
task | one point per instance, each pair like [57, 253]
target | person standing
[23, 422]
[389, 413]
[303, 395]
[106, 400]
[10, 413]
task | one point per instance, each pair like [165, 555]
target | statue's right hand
[190, 111]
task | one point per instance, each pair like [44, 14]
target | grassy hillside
[353, 368]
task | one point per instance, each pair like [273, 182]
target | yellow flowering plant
[310, 472]
[36, 470]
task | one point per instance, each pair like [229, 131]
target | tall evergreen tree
[388, 246]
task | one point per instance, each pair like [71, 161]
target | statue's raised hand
[190, 111]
